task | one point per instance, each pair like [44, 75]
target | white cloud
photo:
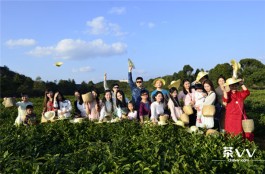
[151, 25]
[147, 24]
[117, 10]
[80, 49]
[83, 69]
[20, 42]
[100, 25]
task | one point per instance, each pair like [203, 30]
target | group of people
[226, 98]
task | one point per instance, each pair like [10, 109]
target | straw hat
[194, 129]
[87, 97]
[211, 132]
[201, 75]
[58, 64]
[231, 81]
[180, 123]
[174, 83]
[8, 102]
[131, 63]
[49, 115]
[161, 80]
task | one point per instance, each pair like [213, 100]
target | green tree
[224, 69]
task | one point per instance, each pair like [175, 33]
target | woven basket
[208, 110]
[188, 109]
[87, 97]
[124, 116]
[8, 102]
[185, 118]
[211, 132]
[248, 125]
[163, 118]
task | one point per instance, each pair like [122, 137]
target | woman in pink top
[188, 98]
[93, 107]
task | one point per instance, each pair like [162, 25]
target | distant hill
[13, 83]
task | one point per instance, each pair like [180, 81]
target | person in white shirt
[80, 109]
[199, 95]
[132, 114]
[208, 122]
[174, 105]
[62, 105]
[157, 107]
[107, 106]
[22, 109]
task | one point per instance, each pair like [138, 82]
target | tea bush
[123, 147]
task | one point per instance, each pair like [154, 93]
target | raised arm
[105, 85]
[130, 81]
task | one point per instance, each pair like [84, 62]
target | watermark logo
[236, 155]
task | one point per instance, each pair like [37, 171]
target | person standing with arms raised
[136, 88]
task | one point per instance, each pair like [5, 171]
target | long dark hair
[159, 92]
[46, 99]
[104, 100]
[209, 82]
[80, 97]
[63, 99]
[184, 90]
[174, 99]
[121, 104]
[220, 77]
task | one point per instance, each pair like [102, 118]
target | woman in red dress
[234, 101]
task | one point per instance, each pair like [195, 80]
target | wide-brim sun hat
[88, 97]
[159, 79]
[175, 83]
[231, 81]
[58, 64]
[200, 75]
[49, 115]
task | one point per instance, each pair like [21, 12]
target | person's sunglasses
[143, 94]
[139, 82]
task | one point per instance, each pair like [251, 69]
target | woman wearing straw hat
[158, 84]
[201, 77]
[234, 101]
[187, 96]
[173, 103]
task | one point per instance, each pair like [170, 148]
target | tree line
[13, 84]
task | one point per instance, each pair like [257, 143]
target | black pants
[193, 118]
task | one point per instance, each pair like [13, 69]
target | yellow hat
[231, 81]
[159, 79]
[175, 83]
[58, 64]
[201, 75]
[49, 115]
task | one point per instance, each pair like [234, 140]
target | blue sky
[93, 37]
